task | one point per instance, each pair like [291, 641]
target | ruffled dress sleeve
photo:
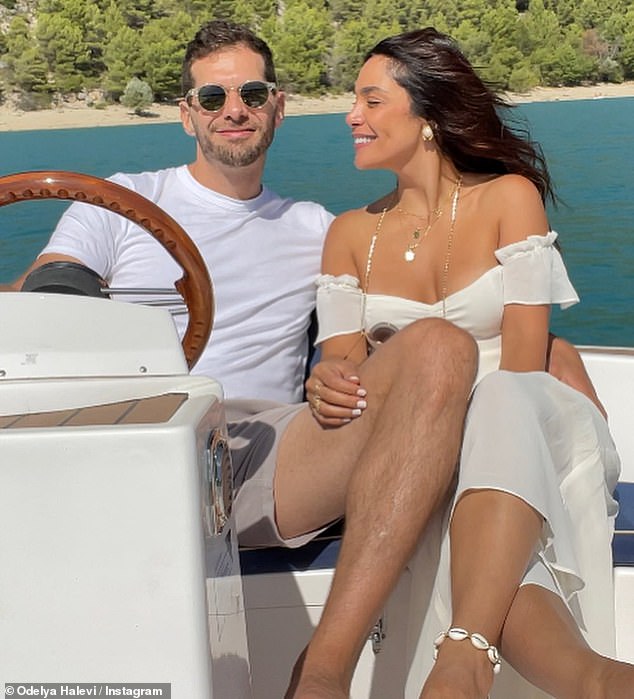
[534, 273]
[339, 306]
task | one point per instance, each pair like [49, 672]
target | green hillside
[53, 48]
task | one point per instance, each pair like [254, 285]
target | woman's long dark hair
[463, 111]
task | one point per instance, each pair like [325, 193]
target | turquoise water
[588, 144]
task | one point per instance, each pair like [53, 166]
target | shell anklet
[478, 641]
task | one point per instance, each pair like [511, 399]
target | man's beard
[235, 154]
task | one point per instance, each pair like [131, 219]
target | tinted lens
[254, 94]
[381, 332]
[211, 97]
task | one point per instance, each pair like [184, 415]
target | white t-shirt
[263, 255]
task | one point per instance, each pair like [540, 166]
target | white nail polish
[361, 404]
[356, 412]
[362, 392]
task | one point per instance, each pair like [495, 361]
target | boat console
[119, 558]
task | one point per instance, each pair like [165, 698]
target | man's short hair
[219, 34]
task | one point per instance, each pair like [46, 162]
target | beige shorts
[255, 430]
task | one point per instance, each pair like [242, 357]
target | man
[390, 464]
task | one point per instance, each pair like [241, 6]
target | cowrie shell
[479, 641]
[439, 639]
[457, 634]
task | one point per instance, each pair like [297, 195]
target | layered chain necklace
[419, 234]
[455, 195]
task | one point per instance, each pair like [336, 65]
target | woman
[464, 236]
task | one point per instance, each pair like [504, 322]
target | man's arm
[83, 233]
[564, 363]
[41, 260]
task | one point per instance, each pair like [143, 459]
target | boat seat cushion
[318, 554]
[623, 542]
[322, 552]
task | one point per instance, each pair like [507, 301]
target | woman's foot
[460, 672]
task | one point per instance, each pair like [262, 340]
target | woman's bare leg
[493, 536]
[542, 642]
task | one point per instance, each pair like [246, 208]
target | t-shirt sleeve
[89, 233]
[533, 272]
[339, 306]
[83, 232]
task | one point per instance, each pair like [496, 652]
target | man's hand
[565, 364]
[334, 392]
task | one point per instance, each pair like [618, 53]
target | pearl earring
[427, 133]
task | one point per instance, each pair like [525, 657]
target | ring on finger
[317, 404]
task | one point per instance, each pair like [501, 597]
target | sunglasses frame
[194, 92]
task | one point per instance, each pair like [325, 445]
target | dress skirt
[532, 436]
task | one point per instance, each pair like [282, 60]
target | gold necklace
[418, 234]
[455, 196]
[450, 235]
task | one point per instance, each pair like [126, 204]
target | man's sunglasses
[212, 98]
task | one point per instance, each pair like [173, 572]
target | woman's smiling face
[386, 133]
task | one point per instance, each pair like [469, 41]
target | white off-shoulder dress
[525, 433]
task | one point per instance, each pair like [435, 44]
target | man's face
[236, 135]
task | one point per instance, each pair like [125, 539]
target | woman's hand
[334, 392]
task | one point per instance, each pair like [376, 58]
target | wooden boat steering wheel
[195, 284]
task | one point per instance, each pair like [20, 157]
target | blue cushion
[624, 494]
[316, 555]
[623, 542]
[322, 552]
[623, 549]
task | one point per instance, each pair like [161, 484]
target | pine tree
[162, 46]
[300, 40]
[122, 58]
[65, 51]
[26, 65]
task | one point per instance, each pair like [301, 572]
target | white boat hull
[112, 569]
